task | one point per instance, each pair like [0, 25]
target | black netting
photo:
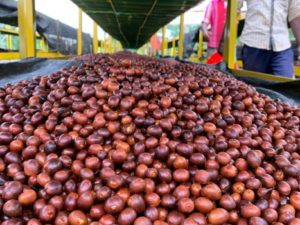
[59, 36]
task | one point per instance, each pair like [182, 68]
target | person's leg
[282, 63]
[255, 59]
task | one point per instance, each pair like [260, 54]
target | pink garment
[155, 43]
[215, 15]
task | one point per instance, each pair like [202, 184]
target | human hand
[206, 35]
[205, 31]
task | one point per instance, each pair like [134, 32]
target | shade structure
[132, 22]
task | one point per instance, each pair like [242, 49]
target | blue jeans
[265, 61]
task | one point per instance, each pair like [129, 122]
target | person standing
[265, 36]
[215, 19]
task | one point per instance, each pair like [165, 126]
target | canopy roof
[132, 22]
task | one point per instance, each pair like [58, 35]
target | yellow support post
[163, 41]
[79, 33]
[102, 46]
[173, 47]
[113, 45]
[109, 44]
[181, 36]
[9, 42]
[43, 48]
[200, 44]
[9, 38]
[231, 34]
[95, 38]
[297, 71]
[26, 23]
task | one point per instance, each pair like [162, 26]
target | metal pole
[9, 38]
[173, 47]
[103, 45]
[9, 42]
[109, 44]
[26, 23]
[163, 41]
[200, 44]
[231, 34]
[95, 38]
[181, 36]
[79, 33]
[43, 48]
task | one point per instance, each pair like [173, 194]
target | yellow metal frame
[41, 54]
[297, 71]
[163, 41]
[8, 31]
[173, 47]
[95, 38]
[11, 32]
[112, 45]
[263, 76]
[43, 48]
[79, 33]
[44, 45]
[9, 39]
[200, 45]
[56, 55]
[14, 32]
[9, 55]
[231, 34]
[181, 36]
[230, 49]
[109, 44]
[26, 22]
[28, 35]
